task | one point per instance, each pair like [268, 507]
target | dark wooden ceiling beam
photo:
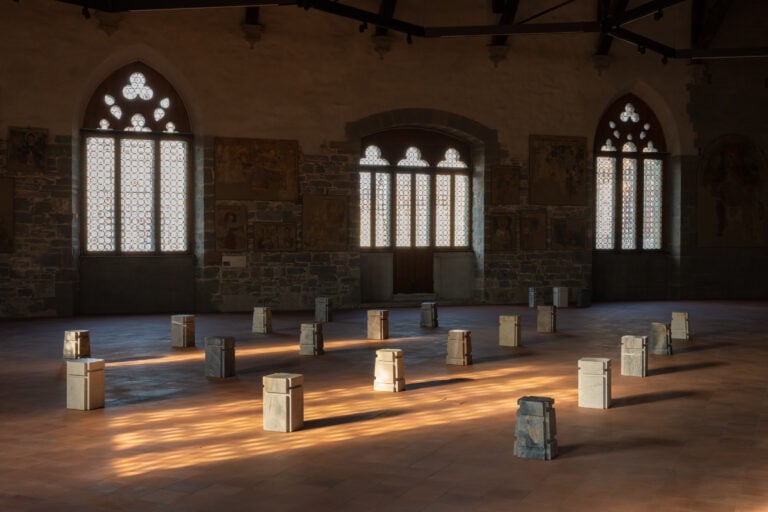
[386, 10]
[517, 28]
[611, 10]
[157, 5]
[508, 13]
[647, 9]
[706, 22]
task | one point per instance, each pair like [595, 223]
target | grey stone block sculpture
[182, 331]
[660, 341]
[679, 328]
[560, 296]
[545, 319]
[429, 314]
[85, 384]
[509, 331]
[311, 339]
[77, 344]
[283, 402]
[459, 347]
[220, 357]
[389, 371]
[634, 356]
[262, 320]
[536, 428]
[595, 382]
[378, 324]
[323, 312]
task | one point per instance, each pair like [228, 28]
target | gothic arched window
[136, 147]
[422, 199]
[629, 154]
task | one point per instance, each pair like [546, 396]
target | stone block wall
[283, 279]
[38, 277]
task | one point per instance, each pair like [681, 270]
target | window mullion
[156, 197]
[118, 199]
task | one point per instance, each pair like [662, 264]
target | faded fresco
[274, 236]
[26, 149]
[503, 235]
[568, 233]
[6, 215]
[256, 169]
[732, 194]
[230, 228]
[558, 170]
[505, 185]
[325, 223]
[533, 231]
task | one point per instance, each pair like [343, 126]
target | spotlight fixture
[641, 48]
[86, 13]
[658, 14]
[363, 26]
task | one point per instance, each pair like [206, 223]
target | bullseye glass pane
[604, 198]
[173, 195]
[628, 203]
[461, 211]
[443, 210]
[100, 194]
[137, 160]
[382, 209]
[403, 210]
[652, 204]
[422, 210]
[365, 209]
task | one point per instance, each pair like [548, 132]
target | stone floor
[692, 436]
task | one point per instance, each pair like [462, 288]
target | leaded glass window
[422, 201]
[136, 165]
[629, 160]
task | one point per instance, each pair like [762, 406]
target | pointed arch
[630, 151]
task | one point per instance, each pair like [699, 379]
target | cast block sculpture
[311, 340]
[389, 373]
[378, 324]
[545, 320]
[323, 310]
[459, 347]
[182, 331]
[595, 382]
[220, 357]
[283, 402]
[660, 342]
[535, 428]
[509, 331]
[634, 356]
[536, 296]
[560, 296]
[77, 344]
[679, 326]
[85, 384]
[262, 320]
[429, 314]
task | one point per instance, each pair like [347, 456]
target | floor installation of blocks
[678, 440]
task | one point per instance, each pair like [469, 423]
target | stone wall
[38, 278]
[286, 279]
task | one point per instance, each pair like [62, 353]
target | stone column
[389, 372]
[459, 347]
[535, 428]
[77, 344]
[220, 357]
[509, 331]
[429, 314]
[182, 331]
[679, 326]
[545, 321]
[262, 320]
[85, 384]
[311, 340]
[560, 296]
[283, 402]
[660, 342]
[323, 310]
[634, 356]
[595, 382]
[378, 324]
